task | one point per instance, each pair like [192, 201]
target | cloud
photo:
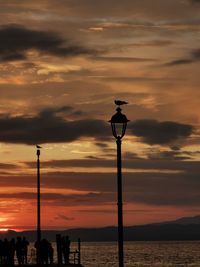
[162, 161]
[195, 1]
[154, 43]
[54, 125]
[87, 163]
[16, 41]
[156, 181]
[178, 189]
[49, 126]
[8, 166]
[102, 145]
[63, 217]
[192, 58]
[180, 62]
[138, 79]
[170, 155]
[196, 54]
[115, 9]
[152, 188]
[162, 133]
[122, 59]
[57, 199]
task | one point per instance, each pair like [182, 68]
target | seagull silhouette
[119, 102]
[38, 146]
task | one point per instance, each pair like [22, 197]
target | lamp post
[118, 125]
[38, 205]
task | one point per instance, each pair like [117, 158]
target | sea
[141, 254]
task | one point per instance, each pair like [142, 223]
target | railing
[64, 255]
[76, 255]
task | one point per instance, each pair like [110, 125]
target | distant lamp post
[118, 123]
[38, 205]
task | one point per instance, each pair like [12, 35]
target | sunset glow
[3, 230]
[62, 65]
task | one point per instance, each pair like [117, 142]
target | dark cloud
[179, 188]
[179, 62]
[16, 41]
[8, 166]
[104, 211]
[108, 211]
[102, 145]
[130, 161]
[162, 133]
[155, 182]
[153, 43]
[193, 57]
[116, 9]
[100, 9]
[195, 1]
[86, 163]
[56, 199]
[142, 79]
[169, 155]
[130, 156]
[123, 59]
[63, 217]
[54, 125]
[196, 54]
[50, 126]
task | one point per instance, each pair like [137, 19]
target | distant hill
[187, 228]
[186, 220]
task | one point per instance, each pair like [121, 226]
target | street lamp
[38, 205]
[118, 125]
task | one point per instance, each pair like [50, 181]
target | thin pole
[120, 209]
[38, 207]
[79, 251]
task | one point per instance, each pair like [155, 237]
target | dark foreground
[49, 265]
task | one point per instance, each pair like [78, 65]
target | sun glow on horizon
[4, 229]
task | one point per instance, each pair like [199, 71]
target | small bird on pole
[119, 102]
[38, 146]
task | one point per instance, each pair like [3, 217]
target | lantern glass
[118, 129]
[118, 124]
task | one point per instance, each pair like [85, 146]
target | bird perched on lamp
[38, 146]
[119, 102]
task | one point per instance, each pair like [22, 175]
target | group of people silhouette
[44, 252]
[63, 249]
[15, 251]
[9, 248]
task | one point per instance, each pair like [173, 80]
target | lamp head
[118, 123]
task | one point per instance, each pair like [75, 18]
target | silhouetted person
[11, 252]
[5, 251]
[25, 244]
[44, 246]
[50, 252]
[59, 248]
[19, 251]
[37, 245]
[66, 249]
[1, 252]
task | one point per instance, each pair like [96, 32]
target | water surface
[142, 254]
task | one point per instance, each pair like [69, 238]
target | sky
[62, 65]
